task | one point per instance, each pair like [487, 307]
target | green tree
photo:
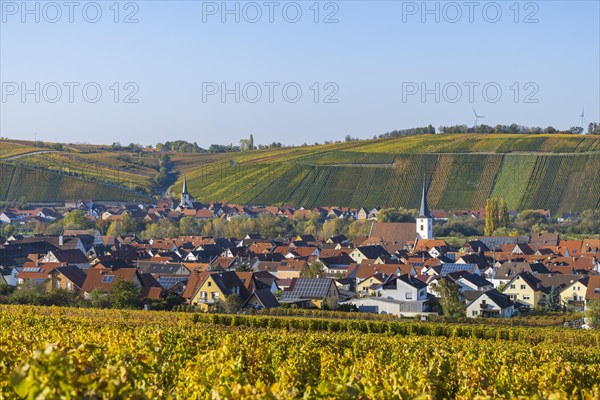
[451, 300]
[99, 299]
[230, 304]
[115, 229]
[552, 301]
[358, 229]
[8, 230]
[502, 213]
[22, 203]
[188, 226]
[243, 268]
[527, 219]
[313, 270]
[129, 224]
[29, 292]
[592, 313]
[54, 228]
[124, 294]
[75, 219]
[491, 216]
[397, 215]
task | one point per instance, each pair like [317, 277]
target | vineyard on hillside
[9, 149]
[18, 181]
[559, 172]
[84, 353]
[560, 183]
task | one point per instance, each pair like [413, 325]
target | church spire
[424, 212]
[184, 191]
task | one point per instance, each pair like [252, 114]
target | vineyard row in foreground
[81, 353]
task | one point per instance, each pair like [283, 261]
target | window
[408, 296]
[474, 313]
[525, 297]
[215, 296]
[107, 279]
[203, 295]
[209, 283]
[523, 287]
[69, 286]
[512, 286]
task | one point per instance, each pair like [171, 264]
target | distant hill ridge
[555, 171]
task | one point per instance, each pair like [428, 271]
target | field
[9, 149]
[560, 183]
[17, 181]
[108, 167]
[82, 353]
[558, 172]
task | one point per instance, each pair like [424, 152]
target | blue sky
[357, 76]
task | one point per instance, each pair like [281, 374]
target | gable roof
[363, 271]
[193, 284]
[99, 278]
[454, 267]
[228, 282]
[510, 269]
[308, 288]
[414, 282]
[394, 232]
[500, 299]
[74, 274]
[531, 280]
[593, 288]
[264, 297]
[496, 242]
[373, 252]
[476, 280]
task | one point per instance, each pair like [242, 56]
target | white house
[404, 288]
[491, 304]
[474, 282]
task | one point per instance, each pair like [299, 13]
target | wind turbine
[476, 117]
[582, 116]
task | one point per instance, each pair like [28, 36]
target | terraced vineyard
[558, 172]
[83, 353]
[10, 149]
[18, 181]
[460, 181]
[103, 167]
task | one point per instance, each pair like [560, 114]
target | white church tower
[186, 200]
[424, 220]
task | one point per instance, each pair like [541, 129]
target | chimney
[60, 240]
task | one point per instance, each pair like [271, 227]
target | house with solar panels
[311, 292]
[402, 295]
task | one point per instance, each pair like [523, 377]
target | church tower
[186, 199]
[424, 220]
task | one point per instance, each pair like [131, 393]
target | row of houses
[389, 271]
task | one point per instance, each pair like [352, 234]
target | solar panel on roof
[32, 269]
[169, 282]
[450, 268]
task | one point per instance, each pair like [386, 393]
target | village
[398, 268]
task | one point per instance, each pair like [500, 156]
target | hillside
[37, 185]
[559, 172]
